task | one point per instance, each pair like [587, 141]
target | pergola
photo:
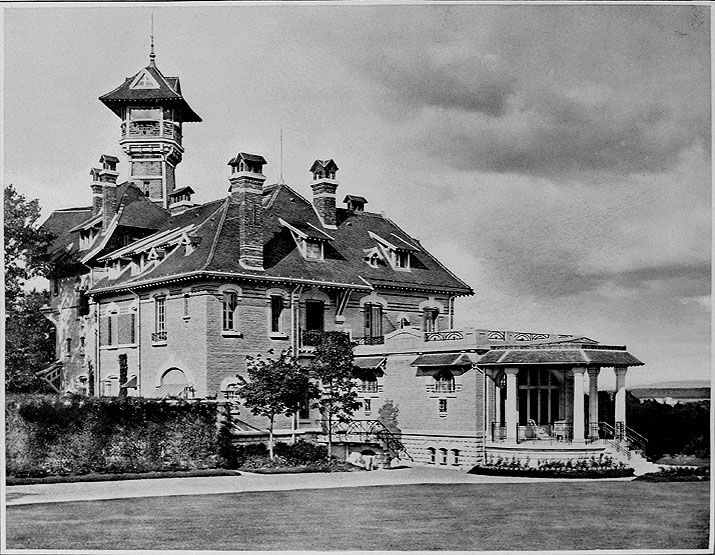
[569, 358]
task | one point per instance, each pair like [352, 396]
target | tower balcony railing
[166, 129]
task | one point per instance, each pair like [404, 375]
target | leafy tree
[29, 336]
[29, 344]
[277, 386]
[334, 371]
[25, 243]
[387, 414]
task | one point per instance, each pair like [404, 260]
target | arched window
[442, 456]
[368, 382]
[455, 456]
[230, 302]
[444, 382]
[432, 455]
[429, 319]
[373, 320]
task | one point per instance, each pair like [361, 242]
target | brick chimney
[108, 180]
[96, 191]
[246, 192]
[324, 186]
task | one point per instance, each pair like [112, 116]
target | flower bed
[299, 457]
[601, 467]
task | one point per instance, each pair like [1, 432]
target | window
[230, 302]
[313, 250]
[55, 286]
[404, 322]
[402, 259]
[83, 309]
[429, 319]
[368, 383]
[187, 297]
[136, 114]
[81, 346]
[231, 393]
[443, 407]
[110, 331]
[160, 319]
[132, 328]
[444, 382]
[277, 304]
[69, 347]
[443, 456]
[373, 320]
[314, 315]
[455, 457]
[367, 405]
[432, 455]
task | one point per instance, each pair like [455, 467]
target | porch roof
[562, 355]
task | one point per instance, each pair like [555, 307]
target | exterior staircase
[367, 432]
[627, 446]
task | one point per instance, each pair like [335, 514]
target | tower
[152, 111]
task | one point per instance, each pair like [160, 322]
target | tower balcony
[151, 129]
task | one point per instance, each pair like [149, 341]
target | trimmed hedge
[677, 474]
[48, 435]
[209, 472]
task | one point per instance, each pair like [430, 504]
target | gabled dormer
[355, 203]
[398, 253]
[309, 239]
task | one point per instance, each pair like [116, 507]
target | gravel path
[159, 487]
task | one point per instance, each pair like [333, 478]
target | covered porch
[539, 393]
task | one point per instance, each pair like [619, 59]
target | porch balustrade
[158, 336]
[557, 432]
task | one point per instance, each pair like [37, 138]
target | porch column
[593, 402]
[578, 416]
[511, 415]
[620, 400]
[497, 404]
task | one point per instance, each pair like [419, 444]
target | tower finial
[152, 56]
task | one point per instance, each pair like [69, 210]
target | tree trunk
[330, 435]
[270, 438]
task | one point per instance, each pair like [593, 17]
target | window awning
[430, 364]
[376, 364]
[131, 383]
[171, 390]
[370, 363]
[443, 359]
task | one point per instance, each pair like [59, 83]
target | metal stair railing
[635, 440]
[369, 430]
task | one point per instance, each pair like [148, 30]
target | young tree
[29, 338]
[334, 371]
[277, 386]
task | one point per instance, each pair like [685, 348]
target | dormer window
[402, 259]
[313, 249]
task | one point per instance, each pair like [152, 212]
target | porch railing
[377, 340]
[557, 432]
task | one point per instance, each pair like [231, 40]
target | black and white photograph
[357, 276]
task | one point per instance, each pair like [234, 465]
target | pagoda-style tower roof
[149, 86]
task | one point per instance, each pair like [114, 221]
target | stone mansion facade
[157, 296]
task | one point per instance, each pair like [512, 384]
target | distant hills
[675, 384]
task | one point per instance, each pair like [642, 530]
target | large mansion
[157, 296]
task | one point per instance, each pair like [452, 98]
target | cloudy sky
[557, 158]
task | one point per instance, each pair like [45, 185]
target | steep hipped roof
[167, 92]
[133, 210]
[217, 252]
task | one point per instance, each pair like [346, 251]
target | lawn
[535, 516]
